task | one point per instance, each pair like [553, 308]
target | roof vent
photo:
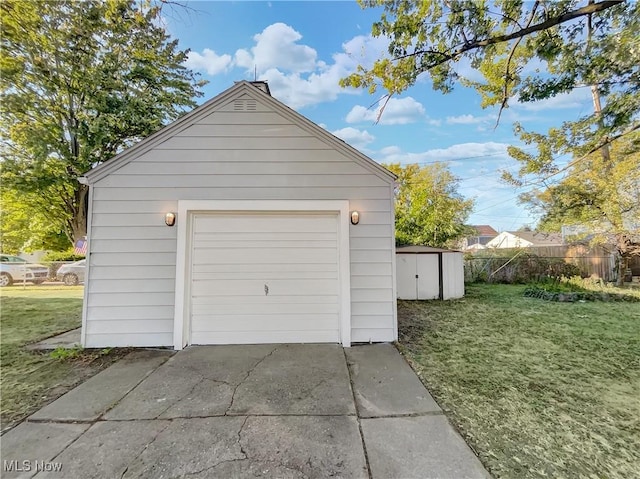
[245, 105]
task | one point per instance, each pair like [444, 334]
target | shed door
[417, 276]
[264, 278]
[428, 276]
[406, 281]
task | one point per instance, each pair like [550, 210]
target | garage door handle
[266, 290]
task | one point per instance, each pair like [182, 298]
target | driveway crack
[187, 394]
[146, 446]
[235, 389]
[242, 451]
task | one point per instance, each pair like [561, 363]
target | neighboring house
[524, 239]
[484, 234]
[263, 249]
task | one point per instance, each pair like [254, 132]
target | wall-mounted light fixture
[170, 219]
[355, 217]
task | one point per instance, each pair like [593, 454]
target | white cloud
[398, 111]
[578, 98]
[355, 137]
[299, 89]
[277, 47]
[295, 74]
[359, 114]
[466, 152]
[463, 120]
[208, 61]
[391, 150]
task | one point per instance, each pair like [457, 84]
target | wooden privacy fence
[596, 261]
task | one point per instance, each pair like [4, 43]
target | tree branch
[507, 77]
[603, 144]
[548, 23]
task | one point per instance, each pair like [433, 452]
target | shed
[429, 273]
[241, 222]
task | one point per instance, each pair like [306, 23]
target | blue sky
[303, 49]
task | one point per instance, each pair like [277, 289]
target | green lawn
[539, 389]
[32, 379]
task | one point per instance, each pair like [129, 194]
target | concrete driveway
[286, 411]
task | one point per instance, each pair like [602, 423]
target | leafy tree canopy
[429, 209]
[28, 223]
[79, 82]
[531, 51]
[565, 44]
[599, 199]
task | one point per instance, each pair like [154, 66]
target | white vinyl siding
[228, 155]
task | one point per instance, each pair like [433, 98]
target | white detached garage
[263, 248]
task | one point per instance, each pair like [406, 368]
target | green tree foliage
[499, 39]
[429, 209]
[600, 196]
[27, 223]
[79, 82]
[527, 51]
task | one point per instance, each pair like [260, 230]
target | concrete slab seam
[57, 421]
[409, 414]
[355, 404]
[135, 386]
[69, 445]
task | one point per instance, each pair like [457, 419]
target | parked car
[13, 268]
[72, 274]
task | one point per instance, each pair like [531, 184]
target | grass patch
[31, 379]
[540, 389]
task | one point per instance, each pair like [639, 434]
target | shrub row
[572, 297]
[518, 270]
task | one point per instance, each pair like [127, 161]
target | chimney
[262, 85]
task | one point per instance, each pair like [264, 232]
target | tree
[429, 210]
[79, 82]
[28, 223]
[499, 40]
[600, 198]
[528, 51]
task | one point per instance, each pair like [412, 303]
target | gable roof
[539, 239]
[240, 88]
[484, 230]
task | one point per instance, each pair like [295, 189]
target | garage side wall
[233, 154]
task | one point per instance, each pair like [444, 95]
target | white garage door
[264, 278]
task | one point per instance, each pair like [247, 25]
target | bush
[521, 269]
[55, 259]
[62, 256]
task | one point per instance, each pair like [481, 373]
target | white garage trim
[186, 209]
